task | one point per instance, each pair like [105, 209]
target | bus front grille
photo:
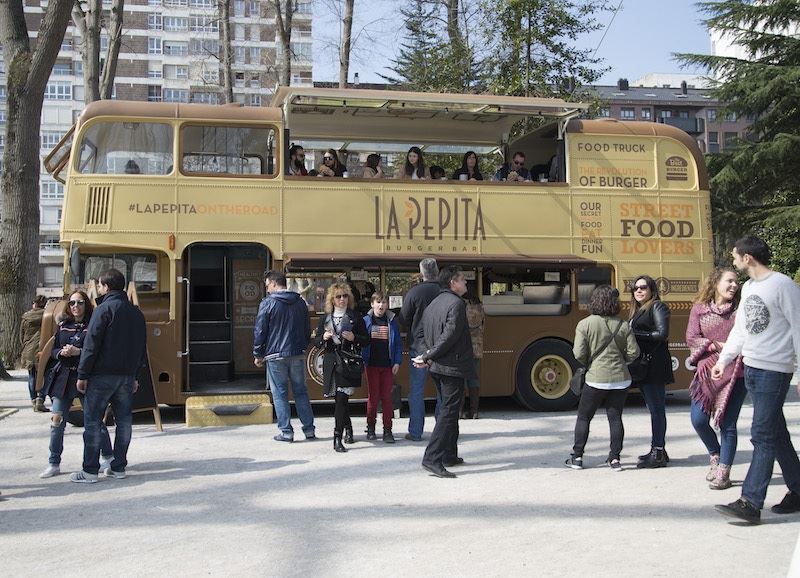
[98, 205]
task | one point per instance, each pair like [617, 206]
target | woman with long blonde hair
[715, 403]
[342, 327]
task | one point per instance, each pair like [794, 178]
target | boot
[474, 400]
[655, 459]
[38, 405]
[713, 461]
[387, 436]
[644, 456]
[337, 443]
[348, 435]
[722, 481]
[371, 433]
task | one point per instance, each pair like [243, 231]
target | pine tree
[755, 186]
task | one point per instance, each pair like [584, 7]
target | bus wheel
[543, 375]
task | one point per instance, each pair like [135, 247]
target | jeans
[32, 384]
[60, 410]
[280, 372]
[443, 445]
[102, 389]
[380, 381]
[416, 397]
[725, 447]
[655, 397]
[591, 400]
[769, 435]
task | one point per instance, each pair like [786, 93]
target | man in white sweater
[767, 335]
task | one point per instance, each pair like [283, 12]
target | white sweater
[767, 328]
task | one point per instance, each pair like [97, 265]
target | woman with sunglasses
[60, 381]
[414, 168]
[331, 167]
[649, 322]
[341, 328]
[715, 403]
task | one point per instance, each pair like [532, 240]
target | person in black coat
[341, 328]
[447, 349]
[62, 376]
[650, 325]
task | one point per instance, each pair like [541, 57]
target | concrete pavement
[224, 501]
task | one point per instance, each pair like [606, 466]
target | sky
[640, 40]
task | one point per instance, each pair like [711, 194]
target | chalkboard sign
[145, 396]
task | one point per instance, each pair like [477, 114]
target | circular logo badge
[756, 315]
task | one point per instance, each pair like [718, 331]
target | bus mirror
[74, 263]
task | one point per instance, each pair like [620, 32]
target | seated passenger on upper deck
[437, 173]
[372, 167]
[132, 168]
[414, 167]
[331, 167]
[297, 158]
[469, 168]
[516, 171]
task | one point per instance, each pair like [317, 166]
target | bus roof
[234, 111]
[413, 117]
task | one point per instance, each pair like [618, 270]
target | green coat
[611, 366]
[29, 335]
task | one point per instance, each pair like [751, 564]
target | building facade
[169, 53]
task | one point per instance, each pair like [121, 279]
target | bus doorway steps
[228, 410]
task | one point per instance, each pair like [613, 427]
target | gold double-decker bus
[193, 202]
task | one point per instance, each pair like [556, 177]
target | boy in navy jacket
[382, 359]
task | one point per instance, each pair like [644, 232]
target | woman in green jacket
[605, 345]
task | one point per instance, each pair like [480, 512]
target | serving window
[520, 290]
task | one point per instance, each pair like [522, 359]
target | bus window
[116, 147]
[139, 268]
[519, 290]
[227, 150]
[590, 278]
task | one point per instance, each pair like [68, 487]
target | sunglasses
[75, 302]
[640, 287]
[340, 296]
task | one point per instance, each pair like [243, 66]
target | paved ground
[232, 501]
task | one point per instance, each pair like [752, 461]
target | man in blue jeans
[113, 352]
[767, 335]
[280, 337]
[414, 304]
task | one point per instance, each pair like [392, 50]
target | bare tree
[27, 72]
[284, 11]
[99, 83]
[224, 7]
[344, 48]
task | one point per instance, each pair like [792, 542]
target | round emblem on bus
[675, 363]
[688, 364]
[314, 364]
[249, 290]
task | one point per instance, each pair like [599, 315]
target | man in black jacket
[448, 352]
[414, 304]
[113, 353]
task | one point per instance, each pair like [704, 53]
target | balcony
[693, 126]
[50, 250]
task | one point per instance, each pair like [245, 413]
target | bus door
[225, 287]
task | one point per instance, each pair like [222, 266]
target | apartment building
[169, 53]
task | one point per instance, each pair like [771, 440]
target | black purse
[349, 363]
[578, 380]
[639, 366]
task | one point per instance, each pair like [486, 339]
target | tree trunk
[344, 48]
[27, 72]
[112, 54]
[226, 57]
[283, 16]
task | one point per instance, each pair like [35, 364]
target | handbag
[639, 366]
[349, 363]
[578, 380]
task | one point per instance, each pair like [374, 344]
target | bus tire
[542, 377]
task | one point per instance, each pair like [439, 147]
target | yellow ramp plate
[225, 410]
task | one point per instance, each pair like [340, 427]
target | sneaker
[282, 438]
[311, 437]
[413, 438]
[614, 464]
[105, 462]
[741, 510]
[109, 473]
[371, 434]
[50, 471]
[388, 437]
[576, 463]
[788, 505]
[82, 477]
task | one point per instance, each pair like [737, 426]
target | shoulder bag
[578, 381]
[349, 361]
